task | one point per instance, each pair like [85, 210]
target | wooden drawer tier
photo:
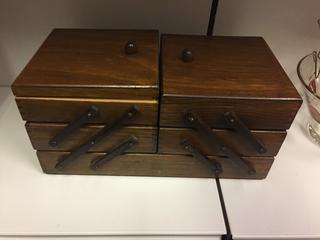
[211, 76]
[68, 109]
[139, 93]
[261, 114]
[41, 133]
[93, 63]
[160, 165]
[170, 141]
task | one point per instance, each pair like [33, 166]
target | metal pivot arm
[118, 150]
[205, 132]
[233, 121]
[214, 166]
[217, 170]
[102, 134]
[90, 114]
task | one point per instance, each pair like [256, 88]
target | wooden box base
[157, 165]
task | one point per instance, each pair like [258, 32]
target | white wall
[289, 26]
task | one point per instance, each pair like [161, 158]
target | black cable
[212, 18]
[228, 235]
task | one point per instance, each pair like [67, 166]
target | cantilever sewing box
[134, 102]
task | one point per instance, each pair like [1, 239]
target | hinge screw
[191, 119]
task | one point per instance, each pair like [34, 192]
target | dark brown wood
[234, 67]
[170, 141]
[67, 109]
[81, 60]
[92, 92]
[256, 114]
[152, 165]
[41, 133]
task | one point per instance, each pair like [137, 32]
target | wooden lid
[228, 67]
[93, 63]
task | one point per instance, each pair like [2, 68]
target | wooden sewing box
[137, 103]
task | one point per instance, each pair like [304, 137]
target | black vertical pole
[228, 235]
[212, 18]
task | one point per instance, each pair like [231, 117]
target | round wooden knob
[187, 55]
[131, 48]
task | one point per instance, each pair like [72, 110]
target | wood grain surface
[152, 165]
[170, 141]
[41, 133]
[139, 93]
[68, 109]
[235, 67]
[256, 114]
[75, 62]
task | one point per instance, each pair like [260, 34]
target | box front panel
[40, 135]
[62, 110]
[152, 165]
[170, 141]
[256, 114]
